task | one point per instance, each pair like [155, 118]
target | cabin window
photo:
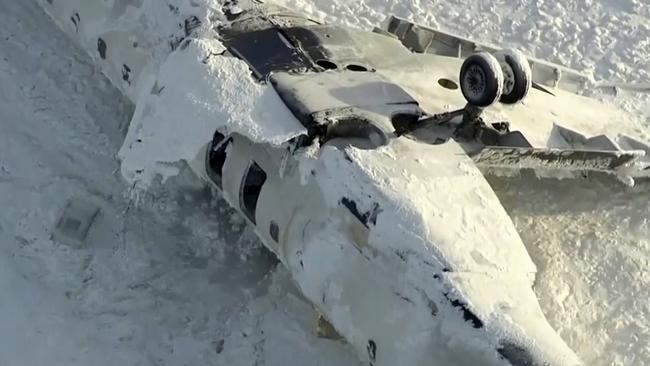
[447, 84]
[250, 191]
[326, 64]
[217, 157]
[357, 68]
[217, 138]
[274, 231]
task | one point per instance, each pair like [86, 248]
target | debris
[75, 222]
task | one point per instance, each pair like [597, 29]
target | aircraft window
[250, 191]
[359, 68]
[327, 65]
[447, 84]
[274, 231]
[217, 138]
[217, 157]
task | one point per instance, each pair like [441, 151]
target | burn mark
[101, 48]
[366, 218]
[468, 315]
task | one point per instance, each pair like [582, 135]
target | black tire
[481, 79]
[517, 75]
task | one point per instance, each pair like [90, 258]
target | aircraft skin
[398, 240]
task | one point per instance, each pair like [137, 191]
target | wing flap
[606, 161]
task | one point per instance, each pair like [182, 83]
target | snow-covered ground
[174, 281]
[179, 280]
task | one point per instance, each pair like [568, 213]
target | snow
[176, 280]
[591, 245]
[179, 112]
[172, 281]
[174, 79]
[492, 280]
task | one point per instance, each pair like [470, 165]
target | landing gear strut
[505, 77]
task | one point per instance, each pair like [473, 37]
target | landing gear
[481, 80]
[485, 79]
[517, 75]
[505, 76]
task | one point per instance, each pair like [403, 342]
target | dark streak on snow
[403, 297]
[75, 20]
[191, 24]
[101, 48]
[372, 351]
[468, 315]
[126, 73]
[366, 218]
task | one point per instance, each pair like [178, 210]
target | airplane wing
[626, 165]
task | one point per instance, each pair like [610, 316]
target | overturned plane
[380, 208]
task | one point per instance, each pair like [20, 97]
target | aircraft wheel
[517, 75]
[481, 79]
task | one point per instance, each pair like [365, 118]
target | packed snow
[177, 279]
[171, 126]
